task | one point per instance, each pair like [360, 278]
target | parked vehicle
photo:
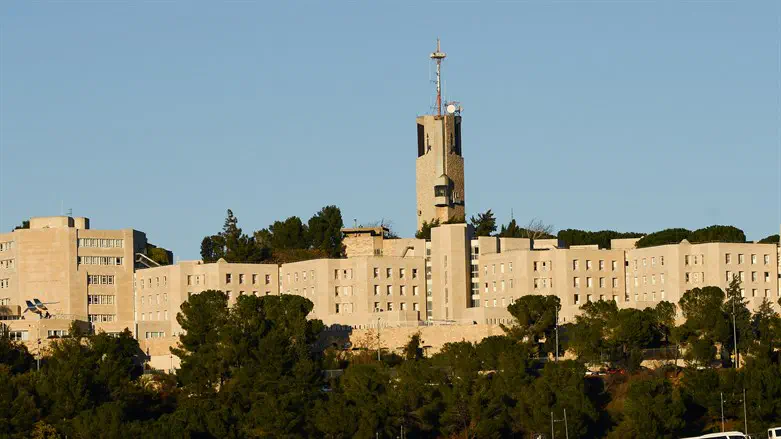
[773, 433]
[723, 435]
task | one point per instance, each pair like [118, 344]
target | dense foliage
[250, 370]
[285, 241]
[707, 234]
[772, 239]
[601, 238]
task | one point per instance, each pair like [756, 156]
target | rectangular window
[729, 276]
[390, 290]
[753, 276]
[753, 292]
[615, 282]
[601, 282]
[653, 261]
[589, 282]
[601, 265]
[414, 273]
[376, 290]
[402, 273]
[415, 290]
[588, 264]
[403, 306]
[576, 282]
[686, 277]
[575, 264]
[767, 259]
[767, 276]
[588, 297]
[376, 306]
[686, 260]
[229, 278]
[576, 299]
[535, 266]
[268, 279]
[613, 265]
[510, 266]
[415, 307]
[740, 259]
[390, 306]
[388, 273]
[502, 284]
[501, 268]
[742, 276]
[402, 290]
[753, 259]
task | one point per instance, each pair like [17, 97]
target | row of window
[7, 245]
[100, 260]
[741, 259]
[543, 282]
[148, 282]
[590, 297]
[589, 265]
[653, 261]
[389, 273]
[543, 265]
[501, 268]
[502, 283]
[5, 301]
[242, 279]
[602, 282]
[653, 279]
[100, 279]
[495, 302]
[101, 243]
[101, 318]
[304, 276]
[100, 299]
[402, 290]
[155, 334]
[5, 283]
[695, 259]
[754, 292]
[157, 299]
[389, 306]
[6, 263]
[150, 316]
[742, 276]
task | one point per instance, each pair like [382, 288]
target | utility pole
[557, 333]
[553, 436]
[745, 418]
[721, 394]
[735, 333]
[378, 340]
[38, 359]
[566, 429]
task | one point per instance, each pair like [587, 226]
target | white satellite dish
[451, 109]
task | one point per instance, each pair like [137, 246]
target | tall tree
[425, 229]
[535, 319]
[325, 231]
[484, 224]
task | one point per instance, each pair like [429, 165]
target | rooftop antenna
[511, 214]
[70, 211]
[438, 56]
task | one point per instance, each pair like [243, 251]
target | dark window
[440, 191]
[458, 135]
[421, 140]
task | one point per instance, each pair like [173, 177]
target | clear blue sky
[633, 116]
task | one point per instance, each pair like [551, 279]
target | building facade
[75, 272]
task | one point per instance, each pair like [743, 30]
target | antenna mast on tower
[438, 56]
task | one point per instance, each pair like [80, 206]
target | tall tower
[439, 168]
